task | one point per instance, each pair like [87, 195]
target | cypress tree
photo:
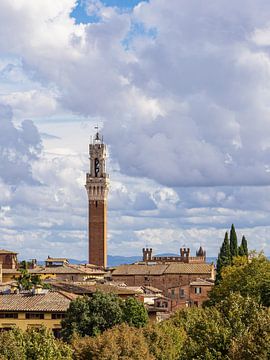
[233, 242]
[243, 248]
[224, 257]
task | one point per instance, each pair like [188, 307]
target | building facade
[28, 310]
[163, 276]
[97, 189]
[8, 259]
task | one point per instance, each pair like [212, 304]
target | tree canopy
[228, 251]
[33, 344]
[249, 277]
[93, 315]
[233, 242]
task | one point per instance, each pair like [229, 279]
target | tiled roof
[91, 288]
[50, 301]
[10, 271]
[183, 268]
[201, 282]
[152, 289]
[3, 251]
[91, 270]
[56, 270]
[66, 269]
[140, 270]
[173, 268]
[50, 259]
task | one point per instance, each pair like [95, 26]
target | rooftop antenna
[97, 138]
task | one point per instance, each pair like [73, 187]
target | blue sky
[80, 12]
[180, 90]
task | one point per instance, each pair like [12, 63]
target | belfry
[97, 182]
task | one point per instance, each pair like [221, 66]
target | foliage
[207, 337]
[92, 316]
[237, 326]
[224, 257]
[249, 277]
[120, 343]
[233, 242]
[27, 281]
[134, 312]
[243, 248]
[12, 345]
[33, 344]
[165, 340]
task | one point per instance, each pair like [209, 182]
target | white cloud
[182, 90]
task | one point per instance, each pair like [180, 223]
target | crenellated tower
[97, 182]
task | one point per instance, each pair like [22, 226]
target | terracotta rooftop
[65, 269]
[201, 282]
[49, 301]
[50, 259]
[173, 268]
[135, 269]
[85, 288]
[152, 289]
[184, 268]
[10, 271]
[2, 251]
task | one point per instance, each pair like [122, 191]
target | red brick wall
[162, 282]
[97, 233]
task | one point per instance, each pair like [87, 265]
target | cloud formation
[18, 148]
[182, 90]
[197, 102]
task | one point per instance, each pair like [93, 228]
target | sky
[181, 92]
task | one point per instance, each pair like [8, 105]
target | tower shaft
[97, 189]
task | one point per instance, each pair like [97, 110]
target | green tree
[119, 343]
[33, 344]
[243, 248]
[236, 328]
[233, 242]
[248, 277]
[207, 337]
[40, 344]
[134, 312]
[12, 345]
[91, 316]
[27, 281]
[165, 340]
[224, 257]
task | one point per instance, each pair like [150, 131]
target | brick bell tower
[97, 182]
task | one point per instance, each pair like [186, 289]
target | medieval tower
[97, 189]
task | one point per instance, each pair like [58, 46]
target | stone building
[26, 310]
[192, 294]
[163, 276]
[8, 259]
[97, 188]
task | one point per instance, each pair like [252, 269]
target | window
[172, 293]
[34, 316]
[9, 315]
[58, 316]
[181, 293]
[57, 333]
[198, 290]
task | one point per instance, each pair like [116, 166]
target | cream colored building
[26, 310]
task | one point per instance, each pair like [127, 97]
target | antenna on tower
[97, 137]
